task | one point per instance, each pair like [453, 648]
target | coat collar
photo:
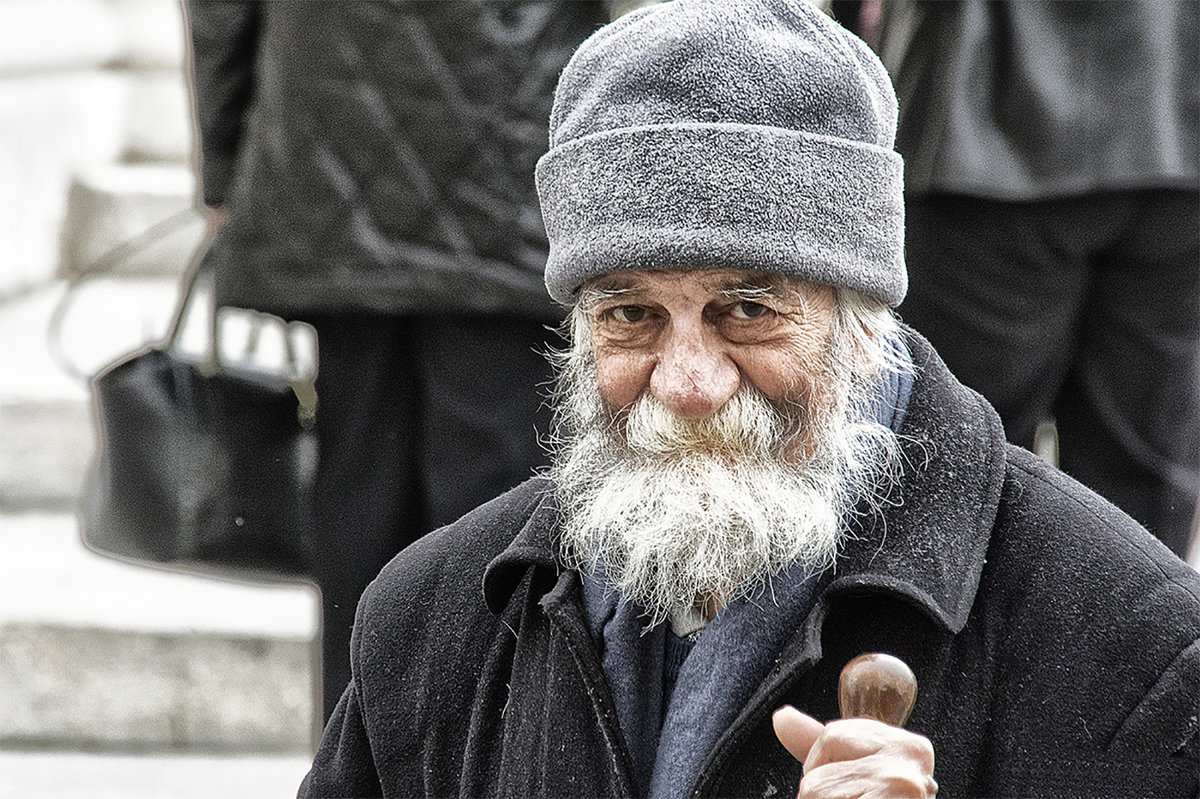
[533, 547]
[926, 548]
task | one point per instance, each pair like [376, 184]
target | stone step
[101, 654]
[83, 84]
[132, 218]
[72, 775]
[53, 124]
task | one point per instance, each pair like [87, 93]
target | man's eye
[748, 310]
[630, 314]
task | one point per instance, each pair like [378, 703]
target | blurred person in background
[1053, 219]
[371, 163]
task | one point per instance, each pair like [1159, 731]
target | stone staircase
[137, 677]
[100, 653]
[100, 659]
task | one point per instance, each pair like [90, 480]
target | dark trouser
[419, 421]
[1084, 310]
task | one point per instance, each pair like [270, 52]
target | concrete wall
[91, 93]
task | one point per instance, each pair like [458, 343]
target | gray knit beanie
[752, 134]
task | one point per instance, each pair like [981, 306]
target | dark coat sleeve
[344, 765]
[223, 46]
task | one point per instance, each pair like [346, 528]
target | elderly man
[759, 475]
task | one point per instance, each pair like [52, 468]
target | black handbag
[201, 465]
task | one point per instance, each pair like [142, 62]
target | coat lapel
[925, 549]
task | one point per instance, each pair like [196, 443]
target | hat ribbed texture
[751, 134]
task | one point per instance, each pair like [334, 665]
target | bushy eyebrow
[591, 296]
[763, 289]
[750, 293]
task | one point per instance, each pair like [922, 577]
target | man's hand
[216, 216]
[856, 757]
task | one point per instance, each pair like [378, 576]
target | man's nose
[694, 376]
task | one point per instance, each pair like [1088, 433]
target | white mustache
[748, 425]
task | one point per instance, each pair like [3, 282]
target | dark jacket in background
[375, 158]
[372, 160]
[1055, 643]
[1052, 212]
[1029, 100]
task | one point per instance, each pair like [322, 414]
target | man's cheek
[776, 375]
[621, 378]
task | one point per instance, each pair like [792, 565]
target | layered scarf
[669, 731]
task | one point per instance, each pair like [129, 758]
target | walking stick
[877, 686]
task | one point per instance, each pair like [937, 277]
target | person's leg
[364, 492]
[483, 389]
[997, 292]
[1129, 416]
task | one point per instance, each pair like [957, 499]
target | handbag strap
[107, 264]
[302, 384]
[183, 307]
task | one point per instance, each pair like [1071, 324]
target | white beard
[672, 510]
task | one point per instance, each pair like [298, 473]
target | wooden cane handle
[877, 686]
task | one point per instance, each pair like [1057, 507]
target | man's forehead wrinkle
[726, 282]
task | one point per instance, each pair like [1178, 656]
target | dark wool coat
[1053, 639]
[377, 157]
[1036, 99]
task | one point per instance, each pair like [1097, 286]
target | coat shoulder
[442, 572]
[1101, 621]
[1046, 518]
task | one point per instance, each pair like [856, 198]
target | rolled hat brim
[721, 195]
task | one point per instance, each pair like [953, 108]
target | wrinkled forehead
[742, 283]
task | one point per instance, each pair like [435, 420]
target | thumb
[796, 731]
